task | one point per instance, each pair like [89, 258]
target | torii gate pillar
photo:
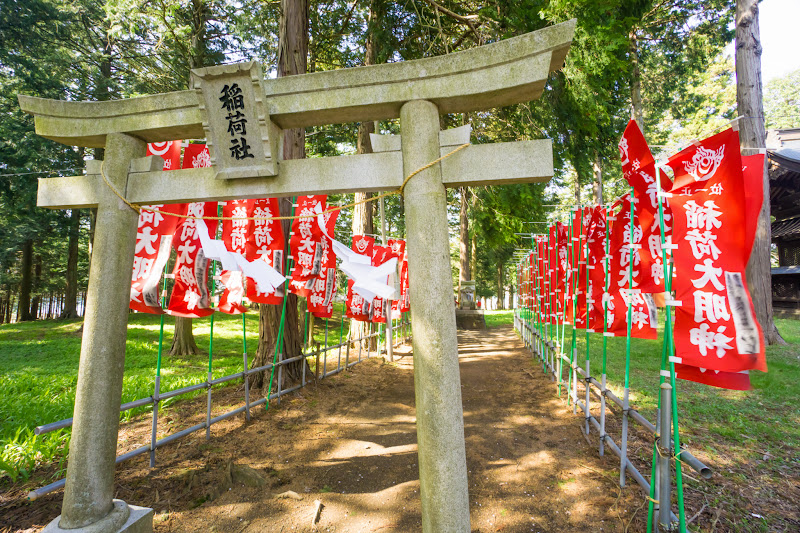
[88, 498]
[437, 382]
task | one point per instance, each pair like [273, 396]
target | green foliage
[782, 101]
[709, 102]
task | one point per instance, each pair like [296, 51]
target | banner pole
[211, 336]
[246, 377]
[279, 338]
[586, 382]
[605, 341]
[670, 342]
[157, 384]
[575, 260]
[626, 398]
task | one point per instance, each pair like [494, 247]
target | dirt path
[350, 442]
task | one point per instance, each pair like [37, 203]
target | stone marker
[498, 74]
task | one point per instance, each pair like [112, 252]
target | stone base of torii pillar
[123, 518]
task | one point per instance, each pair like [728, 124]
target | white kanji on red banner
[190, 296]
[715, 327]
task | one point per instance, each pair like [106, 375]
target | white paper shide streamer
[368, 281]
[267, 278]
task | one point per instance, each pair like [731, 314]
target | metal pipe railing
[685, 455]
[208, 384]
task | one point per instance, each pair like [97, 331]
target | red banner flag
[357, 307]
[715, 378]
[634, 154]
[170, 151]
[380, 254]
[234, 236]
[153, 247]
[580, 225]
[753, 174]
[625, 242]
[190, 293]
[596, 264]
[398, 247]
[546, 292]
[196, 156]
[716, 326]
[305, 244]
[266, 243]
[405, 299]
[638, 167]
[320, 301]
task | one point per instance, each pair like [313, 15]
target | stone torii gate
[241, 115]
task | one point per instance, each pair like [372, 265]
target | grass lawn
[768, 413]
[750, 438]
[39, 369]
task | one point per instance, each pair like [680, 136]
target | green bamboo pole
[626, 396]
[211, 335]
[542, 309]
[670, 341]
[605, 341]
[536, 296]
[587, 385]
[279, 339]
[305, 327]
[244, 334]
[573, 354]
[654, 469]
[157, 382]
[552, 307]
[161, 326]
[563, 317]
[245, 366]
[341, 334]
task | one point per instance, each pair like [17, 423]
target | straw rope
[139, 208]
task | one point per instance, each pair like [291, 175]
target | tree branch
[456, 16]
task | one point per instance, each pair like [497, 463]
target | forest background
[660, 61]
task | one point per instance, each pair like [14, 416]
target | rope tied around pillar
[139, 208]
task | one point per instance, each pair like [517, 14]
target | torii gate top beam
[498, 74]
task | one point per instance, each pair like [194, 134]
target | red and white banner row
[710, 226]
[247, 231]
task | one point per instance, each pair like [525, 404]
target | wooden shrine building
[783, 150]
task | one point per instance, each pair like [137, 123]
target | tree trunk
[36, 301]
[71, 296]
[577, 190]
[198, 47]
[464, 273]
[363, 221]
[500, 293]
[749, 100]
[597, 184]
[24, 305]
[9, 303]
[183, 338]
[292, 60]
[637, 107]
[92, 223]
[473, 255]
